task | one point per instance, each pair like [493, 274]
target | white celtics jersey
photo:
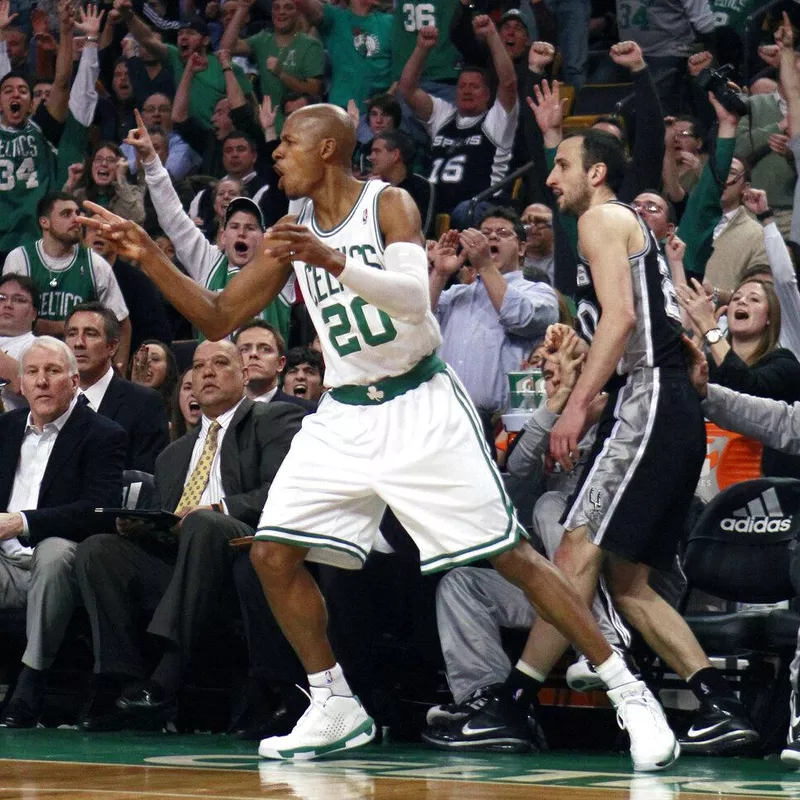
[361, 343]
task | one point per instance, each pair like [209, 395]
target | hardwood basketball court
[51, 764]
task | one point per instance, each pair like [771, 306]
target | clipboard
[160, 519]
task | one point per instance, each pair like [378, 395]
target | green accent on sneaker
[366, 727]
[389, 388]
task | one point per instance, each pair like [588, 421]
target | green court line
[722, 777]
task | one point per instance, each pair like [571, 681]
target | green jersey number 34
[25, 174]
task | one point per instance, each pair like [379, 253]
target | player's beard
[68, 238]
[577, 203]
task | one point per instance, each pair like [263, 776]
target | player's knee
[574, 556]
[273, 561]
[520, 565]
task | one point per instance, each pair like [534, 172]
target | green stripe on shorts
[480, 551]
[310, 540]
[477, 428]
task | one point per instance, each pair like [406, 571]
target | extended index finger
[139, 121]
[287, 227]
[106, 217]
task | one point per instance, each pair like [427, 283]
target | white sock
[332, 679]
[531, 672]
[614, 672]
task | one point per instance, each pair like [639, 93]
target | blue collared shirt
[481, 345]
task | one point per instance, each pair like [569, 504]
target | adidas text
[756, 525]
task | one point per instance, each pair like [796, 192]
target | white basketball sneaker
[330, 723]
[582, 678]
[653, 744]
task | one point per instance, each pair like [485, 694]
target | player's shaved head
[326, 121]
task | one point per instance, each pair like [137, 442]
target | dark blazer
[84, 472]
[254, 446]
[282, 397]
[141, 412]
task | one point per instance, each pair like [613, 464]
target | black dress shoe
[100, 712]
[255, 726]
[20, 715]
[146, 698]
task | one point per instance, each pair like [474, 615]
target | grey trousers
[47, 588]
[472, 604]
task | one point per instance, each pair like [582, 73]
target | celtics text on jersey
[27, 168]
[62, 290]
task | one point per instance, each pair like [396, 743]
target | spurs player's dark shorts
[643, 469]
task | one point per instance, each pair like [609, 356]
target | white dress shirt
[97, 391]
[267, 396]
[33, 457]
[724, 221]
[213, 493]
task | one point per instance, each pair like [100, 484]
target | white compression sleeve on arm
[401, 290]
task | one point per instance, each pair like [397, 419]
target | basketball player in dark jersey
[629, 510]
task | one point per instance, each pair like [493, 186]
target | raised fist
[427, 37]
[698, 62]
[627, 54]
[540, 56]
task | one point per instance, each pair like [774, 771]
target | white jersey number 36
[418, 16]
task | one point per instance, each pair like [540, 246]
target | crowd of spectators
[168, 114]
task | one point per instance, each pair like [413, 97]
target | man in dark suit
[92, 333]
[58, 462]
[217, 479]
[263, 351]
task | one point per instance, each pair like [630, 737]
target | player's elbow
[626, 320]
[419, 304]
[215, 330]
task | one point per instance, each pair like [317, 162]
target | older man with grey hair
[59, 461]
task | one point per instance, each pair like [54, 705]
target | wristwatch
[713, 336]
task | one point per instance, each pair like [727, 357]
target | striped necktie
[198, 480]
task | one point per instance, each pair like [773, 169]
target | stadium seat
[183, 350]
[740, 550]
[592, 101]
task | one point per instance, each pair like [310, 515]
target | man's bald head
[223, 345]
[217, 377]
[326, 121]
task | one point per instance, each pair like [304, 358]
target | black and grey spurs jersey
[656, 339]
[469, 154]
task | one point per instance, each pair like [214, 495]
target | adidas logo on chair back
[761, 515]
[739, 549]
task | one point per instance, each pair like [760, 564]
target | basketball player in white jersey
[396, 429]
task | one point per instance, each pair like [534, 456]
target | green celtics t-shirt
[208, 86]
[734, 13]
[28, 171]
[277, 313]
[303, 58]
[409, 16]
[360, 51]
